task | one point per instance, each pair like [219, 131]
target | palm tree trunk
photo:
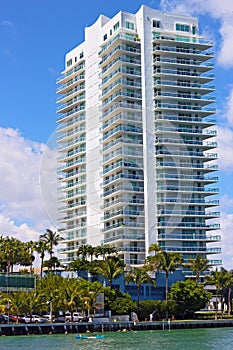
[139, 286]
[229, 301]
[166, 295]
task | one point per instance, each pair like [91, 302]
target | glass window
[129, 25]
[116, 26]
[156, 23]
[105, 37]
[182, 27]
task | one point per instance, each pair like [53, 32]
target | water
[193, 339]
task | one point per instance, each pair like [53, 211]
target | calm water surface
[196, 339]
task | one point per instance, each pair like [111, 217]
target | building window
[110, 32]
[193, 30]
[69, 63]
[156, 24]
[182, 27]
[129, 25]
[116, 26]
[81, 54]
[105, 37]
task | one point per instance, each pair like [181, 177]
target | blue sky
[34, 37]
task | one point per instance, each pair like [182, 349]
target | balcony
[207, 133]
[136, 225]
[119, 36]
[71, 113]
[187, 189]
[67, 75]
[132, 188]
[187, 165]
[201, 88]
[189, 52]
[72, 82]
[199, 65]
[123, 176]
[71, 103]
[122, 163]
[202, 110]
[161, 95]
[190, 40]
[119, 49]
[176, 118]
[120, 71]
[122, 128]
[123, 105]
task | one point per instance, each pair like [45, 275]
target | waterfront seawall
[72, 327]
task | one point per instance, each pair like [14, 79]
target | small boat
[79, 336]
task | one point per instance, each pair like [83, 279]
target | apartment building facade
[135, 132]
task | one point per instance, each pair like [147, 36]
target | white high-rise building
[134, 138]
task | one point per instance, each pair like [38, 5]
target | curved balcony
[194, 64]
[74, 132]
[122, 37]
[192, 108]
[120, 49]
[183, 119]
[126, 71]
[184, 85]
[71, 124]
[191, 237]
[71, 113]
[71, 84]
[183, 52]
[64, 77]
[206, 191]
[183, 97]
[204, 133]
[132, 225]
[123, 176]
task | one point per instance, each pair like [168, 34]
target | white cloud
[229, 108]
[226, 223]
[225, 142]
[220, 10]
[20, 198]
[7, 23]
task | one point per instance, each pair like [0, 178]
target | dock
[84, 327]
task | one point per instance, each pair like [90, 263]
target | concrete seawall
[55, 328]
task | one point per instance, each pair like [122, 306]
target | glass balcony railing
[187, 165]
[185, 142]
[71, 113]
[124, 70]
[189, 96]
[186, 39]
[122, 81]
[123, 176]
[186, 189]
[118, 36]
[126, 48]
[125, 128]
[183, 84]
[184, 61]
[186, 130]
[187, 118]
[72, 71]
[122, 104]
[183, 50]
[71, 82]
[184, 73]
[184, 107]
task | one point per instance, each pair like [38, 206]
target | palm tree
[198, 265]
[138, 276]
[52, 238]
[70, 295]
[229, 284]
[17, 301]
[41, 248]
[110, 268]
[83, 251]
[154, 247]
[219, 278]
